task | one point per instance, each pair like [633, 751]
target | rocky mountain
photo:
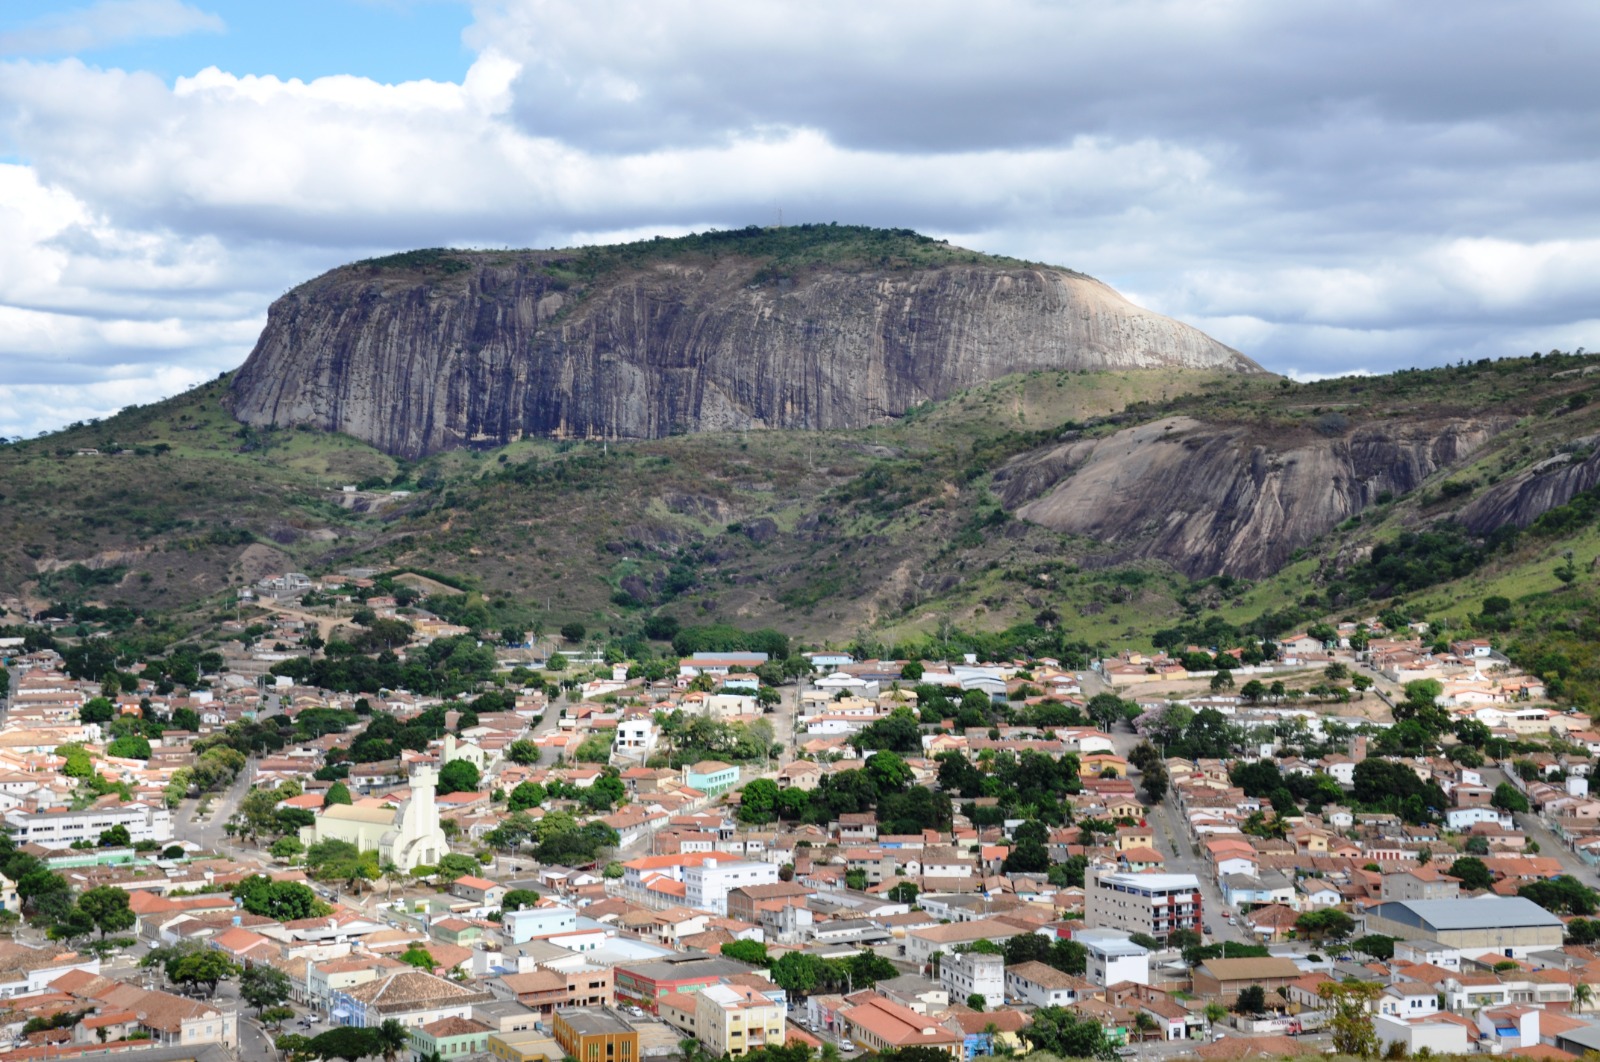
[1212, 498]
[821, 327]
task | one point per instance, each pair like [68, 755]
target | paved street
[1549, 844]
[1173, 842]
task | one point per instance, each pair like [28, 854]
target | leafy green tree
[294, 1047]
[1063, 1033]
[1563, 895]
[130, 746]
[1252, 1000]
[338, 793]
[286, 848]
[78, 764]
[517, 899]
[758, 801]
[263, 986]
[115, 837]
[1323, 924]
[798, 972]
[1352, 1003]
[1376, 945]
[97, 710]
[455, 865]
[573, 632]
[526, 795]
[888, 772]
[285, 901]
[751, 951]
[345, 1042]
[523, 752]
[458, 776]
[1508, 798]
[903, 892]
[205, 967]
[107, 907]
[1473, 872]
[420, 957]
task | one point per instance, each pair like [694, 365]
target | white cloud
[1322, 184]
[106, 23]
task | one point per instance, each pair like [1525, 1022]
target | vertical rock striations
[483, 348]
[1214, 498]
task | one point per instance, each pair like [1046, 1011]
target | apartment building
[1156, 904]
[733, 1020]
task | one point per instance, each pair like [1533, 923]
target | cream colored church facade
[408, 836]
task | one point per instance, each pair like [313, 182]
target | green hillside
[884, 536]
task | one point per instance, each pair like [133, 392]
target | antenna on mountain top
[779, 212]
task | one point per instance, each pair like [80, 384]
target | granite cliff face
[1212, 499]
[1521, 499]
[495, 346]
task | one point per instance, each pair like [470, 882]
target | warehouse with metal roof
[1512, 926]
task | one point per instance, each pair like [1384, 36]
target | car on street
[846, 1046]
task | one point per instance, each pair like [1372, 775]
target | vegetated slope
[818, 327]
[183, 501]
[1238, 487]
[1225, 498]
[886, 532]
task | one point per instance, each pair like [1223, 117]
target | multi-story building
[642, 984]
[974, 973]
[733, 1020]
[522, 926]
[707, 885]
[595, 1035]
[59, 829]
[1155, 904]
[1035, 984]
[1113, 957]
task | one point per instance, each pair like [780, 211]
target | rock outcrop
[1211, 499]
[505, 345]
[1521, 499]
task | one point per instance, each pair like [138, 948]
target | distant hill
[814, 326]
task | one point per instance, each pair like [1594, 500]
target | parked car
[846, 1046]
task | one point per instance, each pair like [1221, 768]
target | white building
[636, 738]
[1155, 904]
[972, 973]
[1113, 957]
[58, 829]
[1034, 984]
[1440, 1035]
[408, 836]
[522, 926]
[706, 886]
[1463, 819]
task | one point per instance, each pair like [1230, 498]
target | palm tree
[391, 874]
[1582, 995]
[391, 1038]
[1145, 1023]
[1215, 1012]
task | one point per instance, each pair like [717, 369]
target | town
[355, 827]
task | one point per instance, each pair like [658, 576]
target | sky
[1330, 187]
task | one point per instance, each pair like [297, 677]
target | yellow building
[734, 1020]
[595, 1035]
[524, 1045]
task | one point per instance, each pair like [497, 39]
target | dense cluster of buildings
[621, 958]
